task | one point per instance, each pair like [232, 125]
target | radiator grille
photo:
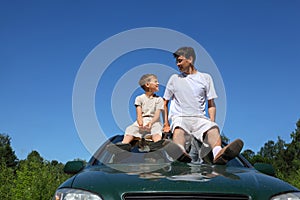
[182, 196]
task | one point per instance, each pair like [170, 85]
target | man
[189, 92]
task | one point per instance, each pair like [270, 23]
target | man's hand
[166, 129]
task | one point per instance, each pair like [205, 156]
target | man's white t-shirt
[189, 93]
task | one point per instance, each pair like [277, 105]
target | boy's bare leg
[120, 147]
[127, 139]
[156, 137]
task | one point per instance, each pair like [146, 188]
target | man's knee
[178, 130]
[212, 137]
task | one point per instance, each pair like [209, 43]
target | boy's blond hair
[146, 78]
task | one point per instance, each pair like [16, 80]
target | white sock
[216, 150]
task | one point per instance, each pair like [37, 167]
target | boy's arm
[211, 108]
[139, 117]
[155, 117]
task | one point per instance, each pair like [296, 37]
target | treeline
[285, 157]
[33, 178]
[37, 179]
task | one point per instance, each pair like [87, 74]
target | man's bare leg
[178, 137]
[213, 138]
[176, 148]
[222, 155]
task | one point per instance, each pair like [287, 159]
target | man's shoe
[229, 152]
[185, 157]
[176, 152]
[154, 146]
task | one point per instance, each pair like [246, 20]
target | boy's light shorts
[136, 132]
[195, 126]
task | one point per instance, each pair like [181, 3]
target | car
[148, 175]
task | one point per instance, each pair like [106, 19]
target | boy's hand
[140, 123]
[148, 126]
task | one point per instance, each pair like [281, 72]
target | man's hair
[187, 52]
[145, 79]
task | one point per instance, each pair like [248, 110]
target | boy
[148, 109]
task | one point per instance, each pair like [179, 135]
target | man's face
[184, 64]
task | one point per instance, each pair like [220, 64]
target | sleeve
[211, 92]
[169, 91]
[160, 103]
[138, 101]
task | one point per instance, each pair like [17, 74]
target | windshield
[157, 157]
[160, 156]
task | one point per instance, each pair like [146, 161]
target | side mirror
[265, 168]
[73, 167]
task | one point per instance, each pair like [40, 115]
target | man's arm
[211, 108]
[166, 116]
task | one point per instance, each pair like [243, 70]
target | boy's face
[153, 85]
[184, 64]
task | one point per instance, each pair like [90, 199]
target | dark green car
[156, 175]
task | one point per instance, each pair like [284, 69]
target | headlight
[74, 194]
[287, 196]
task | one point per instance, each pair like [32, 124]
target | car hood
[115, 180]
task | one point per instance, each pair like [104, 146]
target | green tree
[253, 158]
[287, 163]
[32, 178]
[6, 179]
[268, 150]
[37, 178]
[7, 155]
[28, 181]
[292, 153]
[53, 176]
[8, 162]
[248, 154]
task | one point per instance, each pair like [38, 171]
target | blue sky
[43, 44]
